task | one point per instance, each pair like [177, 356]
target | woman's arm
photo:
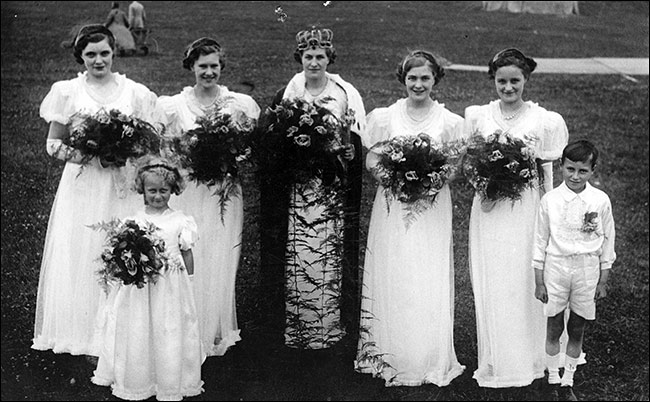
[188, 258]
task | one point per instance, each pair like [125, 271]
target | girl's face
[207, 70]
[98, 58]
[419, 83]
[509, 82]
[156, 192]
[314, 62]
[576, 174]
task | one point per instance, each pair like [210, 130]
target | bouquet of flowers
[213, 151]
[112, 136]
[134, 253]
[413, 171]
[499, 167]
[300, 141]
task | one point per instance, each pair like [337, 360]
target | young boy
[573, 252]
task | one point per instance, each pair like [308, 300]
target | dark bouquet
[134, 253]
[299, 141]
[112, 136]
[499, 167]
[214, 150]
[413, 170]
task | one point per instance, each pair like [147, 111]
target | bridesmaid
[217, 252]
[407, 319]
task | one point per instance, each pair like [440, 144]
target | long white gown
[510, 324]
[406, 334]
[314, 250]
[150, 335]
[217, 252]
[69, 294]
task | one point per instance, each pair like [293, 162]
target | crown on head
[314, 37]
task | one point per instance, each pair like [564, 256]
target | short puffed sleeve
[170, 117]
[554, 137]
[453, 128]
[247, 105]
[145, 104]
[58, 104]
[377, 127]
[470, 126]
[189, 233]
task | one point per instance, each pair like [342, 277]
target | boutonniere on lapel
[590, 222]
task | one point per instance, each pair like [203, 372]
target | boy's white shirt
[559, 222]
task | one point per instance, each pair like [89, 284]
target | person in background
[137, 16]
[118, 23]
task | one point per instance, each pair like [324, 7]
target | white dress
[217, 252]
[314, 250]
[510, 324]
[68, 291]
[150, 335]
[406, 334]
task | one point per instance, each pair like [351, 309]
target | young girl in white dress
[150, 335]
[68, 293]
[219, 246]
[510, 323]
[407, 319]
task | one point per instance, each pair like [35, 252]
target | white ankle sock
[553, 365]
[570, 367]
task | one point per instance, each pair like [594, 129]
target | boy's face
[576, 174]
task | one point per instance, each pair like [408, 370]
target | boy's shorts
[571, 282]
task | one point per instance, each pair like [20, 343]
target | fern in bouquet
[112, 136]
[134, 253]
[213, 152]
[413, 170]
[499, 167]
[299, 141]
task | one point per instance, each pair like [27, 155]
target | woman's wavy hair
[419, 58]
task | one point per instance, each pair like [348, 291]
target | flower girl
[149, 329]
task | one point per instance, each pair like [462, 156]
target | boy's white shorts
[571, 282]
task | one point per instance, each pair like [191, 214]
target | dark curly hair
[511, 57]
[91, 34]
[203, 46]
[419, 58]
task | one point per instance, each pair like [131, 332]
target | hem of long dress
[150, 391]
[507, 383]
[222, 347]
[56, 347]
[430, 378]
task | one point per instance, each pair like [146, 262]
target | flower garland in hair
[413, 170]
[213, 152]
[134, 254]
[112, 136]
[300, 140]
[500, 166]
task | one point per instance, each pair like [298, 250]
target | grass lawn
[371, 38]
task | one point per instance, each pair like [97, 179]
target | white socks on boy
[553, 365]
[570, 366]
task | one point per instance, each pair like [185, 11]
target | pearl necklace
[515, 114]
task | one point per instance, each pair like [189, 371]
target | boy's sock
[553, 365]
[570, 366]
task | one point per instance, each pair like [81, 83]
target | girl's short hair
[581, 151]
[314, 38]
[91, 34]
[511, 57]
[152, 165]
[203, 46]
[419, 58]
